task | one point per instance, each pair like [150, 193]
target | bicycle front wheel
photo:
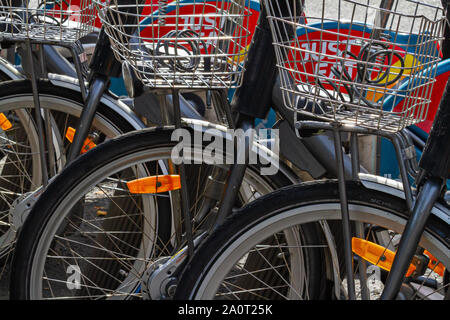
[274, 225]
[90, 237]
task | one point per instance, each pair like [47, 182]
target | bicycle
[384, 225]
[147, 276]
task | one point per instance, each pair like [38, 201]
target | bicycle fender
[395, 188]
[10, 70]
[108, 100]
[296, 151]
[264, 153]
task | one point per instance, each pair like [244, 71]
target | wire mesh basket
[56, 21]
[369, 63]
[178, 43]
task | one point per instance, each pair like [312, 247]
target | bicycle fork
[401, 147]
[428, 195]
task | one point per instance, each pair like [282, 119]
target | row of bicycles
[132, 166]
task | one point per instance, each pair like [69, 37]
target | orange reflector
[101, 213]
[87, 145]
[4, 122]
[155, 184]
[70, 133]
[376, 254]
[439, 268]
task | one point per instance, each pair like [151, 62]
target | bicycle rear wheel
[116, 235]
[275, 225]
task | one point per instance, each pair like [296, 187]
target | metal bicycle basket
[54, 22]
[368, 63]
[179, 43]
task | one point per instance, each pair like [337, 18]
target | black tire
[64, 183]
[277, 202]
